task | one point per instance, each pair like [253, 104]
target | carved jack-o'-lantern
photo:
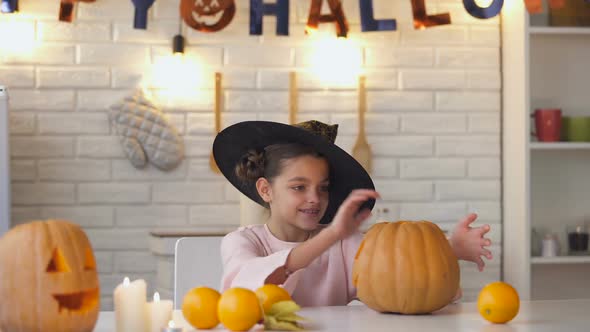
[48, 278]
[207, 15]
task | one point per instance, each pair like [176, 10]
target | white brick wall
[433, 120]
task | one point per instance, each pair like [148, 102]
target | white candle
[130, 301]
[171, 327]
[159, 313]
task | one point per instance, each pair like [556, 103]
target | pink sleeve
[245, 263]
[349, 247]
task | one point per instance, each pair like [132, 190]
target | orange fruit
[239, 309]
[199, 307]
[270, 294]
[498, 302]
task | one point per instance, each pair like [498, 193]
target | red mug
[547, 124]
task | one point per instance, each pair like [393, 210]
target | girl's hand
[468, 243]
[348, 218]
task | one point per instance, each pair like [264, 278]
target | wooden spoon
[361, 150]
[218, 100]
[293, 98]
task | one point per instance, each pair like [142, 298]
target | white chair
[197, 262]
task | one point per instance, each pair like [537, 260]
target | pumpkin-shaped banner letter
[207, 15]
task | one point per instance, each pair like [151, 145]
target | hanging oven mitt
[145, 133]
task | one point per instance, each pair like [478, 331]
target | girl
[318, 196]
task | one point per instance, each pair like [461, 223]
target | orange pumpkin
[49, 280]
[405, 267]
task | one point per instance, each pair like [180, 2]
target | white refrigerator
[4, 163]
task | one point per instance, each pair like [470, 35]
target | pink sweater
[251, 253]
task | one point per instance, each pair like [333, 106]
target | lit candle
[159, 313]
[130, 301]
[171, 327]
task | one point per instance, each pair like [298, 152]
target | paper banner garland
[141, 12]
[487, 12]
[368, 21]
[9, 6]
[280, 9]
[337, 16]
[199, 13]
[67, 9]
[422, 20]
[534, 6]
[557, 4]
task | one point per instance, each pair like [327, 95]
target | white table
[536, 316]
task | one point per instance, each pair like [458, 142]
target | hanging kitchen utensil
[361, 150]
[218, 100]
[293, 98]
[67, 9]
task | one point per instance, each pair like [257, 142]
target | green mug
[575, 128]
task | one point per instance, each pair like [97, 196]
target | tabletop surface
[537, 316]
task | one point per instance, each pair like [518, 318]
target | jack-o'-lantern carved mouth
[74, 302]
[208, 19]
[78, 302]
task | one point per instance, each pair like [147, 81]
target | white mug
[550, 246]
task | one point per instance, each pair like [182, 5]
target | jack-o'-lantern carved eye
[58, 262]
[89, 261]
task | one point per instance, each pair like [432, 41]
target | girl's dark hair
[269, 163]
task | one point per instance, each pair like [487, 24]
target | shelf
[559, 31]
[561, 260]
[560, 146]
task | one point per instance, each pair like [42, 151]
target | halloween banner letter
[9, 6]
[66, 9]
[476, 11]
[534, 6]
[421, 20]
[196, 13]
[368, 21]
[258, 9]
[337, 15]
[557, 4]
[141, 11]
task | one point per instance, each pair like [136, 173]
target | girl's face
[299, 195]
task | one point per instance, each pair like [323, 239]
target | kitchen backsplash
[433, 121]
